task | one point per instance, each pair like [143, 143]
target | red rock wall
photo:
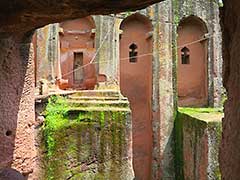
[136, 84]
[230, 157]
[24, 16]
[78, 37]
[192, 136]
[197, 148]
[192, 77]
[17, 105]
[34, 42]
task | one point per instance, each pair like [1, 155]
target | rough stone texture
[197, 148]
[230, 157]
[166, 89]
[46, 52]
[88, 137]
[17, 105]
[23, 16]
[107, 39]
[214, 139]
[208, 12]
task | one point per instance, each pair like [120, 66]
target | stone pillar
[107, 47]
[53, 49]
[58, 60]
[166, 90]
[48, 52]
[218, 59]
[17, 105]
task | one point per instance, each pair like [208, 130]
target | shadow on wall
[14, 56]
[11, 174]
[169, 159]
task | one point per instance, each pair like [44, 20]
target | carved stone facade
[116, 44]
[20, 18]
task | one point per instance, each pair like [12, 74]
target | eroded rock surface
[229, 157]
[88, 137]
[22, 16]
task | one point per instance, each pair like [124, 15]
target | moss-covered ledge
[197, 141]
[92, 142]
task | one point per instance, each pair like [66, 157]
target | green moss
[189, 136]
[179, 162]
[200, 110]
[102, 118]
[81, 143]
[215, 129]
[185, 127]
[176, 12]
[204, 114]
[223, 97]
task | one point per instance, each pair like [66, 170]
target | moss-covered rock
[197, 141]
[87, 143]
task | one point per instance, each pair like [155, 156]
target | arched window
[133, 53]
[185, 55]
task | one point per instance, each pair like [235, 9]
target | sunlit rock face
[88, 137]
[198, 136]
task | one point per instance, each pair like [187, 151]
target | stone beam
[25, 15]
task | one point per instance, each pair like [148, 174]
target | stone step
[97, 98]
[98, 103]
[97, 93]
[98, 109]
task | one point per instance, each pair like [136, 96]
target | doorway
[78, 75]
[77, 48]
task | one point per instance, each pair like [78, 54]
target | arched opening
[192, 63]
[76, 50]
[136, 84]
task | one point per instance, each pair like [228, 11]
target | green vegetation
[204, 114]
[179, 161]
[220, 3]
[199, 110]
[83, 143]
[56, 112]
[176, 12]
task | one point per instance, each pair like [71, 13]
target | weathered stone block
[93, 142]
[197, 147]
